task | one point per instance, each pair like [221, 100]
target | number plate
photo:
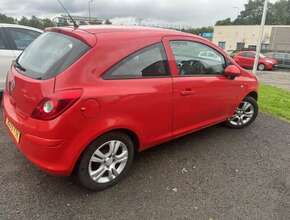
[14, 131]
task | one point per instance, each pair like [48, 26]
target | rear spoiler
[84, 36]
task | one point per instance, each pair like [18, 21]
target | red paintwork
[155, 110]
[248, 62]
[232, 71]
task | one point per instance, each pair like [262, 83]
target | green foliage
[24, 21]
[278, 14]
[46, 22]
[226, 21]
[31, 22]
[275, 101]
[6, 19]
[198, 31]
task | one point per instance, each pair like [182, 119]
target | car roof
[96, 29]
[20, 26]
[124, 30]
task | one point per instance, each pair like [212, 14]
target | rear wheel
[106, 161]
[245, 114]
[261, 67]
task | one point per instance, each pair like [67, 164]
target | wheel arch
[253, 94]
[133, 135]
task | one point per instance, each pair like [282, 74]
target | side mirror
[232, 71]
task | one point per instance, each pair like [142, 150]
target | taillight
[50, 108]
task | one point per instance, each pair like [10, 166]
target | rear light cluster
[50, 108]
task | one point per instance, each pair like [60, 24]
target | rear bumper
[43, 149]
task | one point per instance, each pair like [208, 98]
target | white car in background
[13, 40]
[209, 55]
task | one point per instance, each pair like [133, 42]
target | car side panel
[213, 97]
[143, 106]
[6, 58]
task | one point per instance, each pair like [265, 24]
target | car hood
[270, 60]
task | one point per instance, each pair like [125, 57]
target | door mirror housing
[232, 71]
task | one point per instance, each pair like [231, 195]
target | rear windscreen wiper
[18, 66]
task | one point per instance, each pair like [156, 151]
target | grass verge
[275, 101]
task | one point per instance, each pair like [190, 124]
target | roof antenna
[73, 21]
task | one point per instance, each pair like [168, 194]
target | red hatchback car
[246, 59]
[85, 100]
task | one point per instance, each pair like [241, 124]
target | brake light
[50, 108]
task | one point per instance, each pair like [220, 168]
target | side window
[251, 55]
[194, 58]
[22, 37]
[222, 44]
[2, 44]
[248, 55]
[148, 62]
[243, 54]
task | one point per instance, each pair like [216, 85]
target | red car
[246, 59]
[86, 100]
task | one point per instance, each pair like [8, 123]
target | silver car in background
[13, 40]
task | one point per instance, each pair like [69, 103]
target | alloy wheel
[243, 114]
[261, 67]
[108, 161]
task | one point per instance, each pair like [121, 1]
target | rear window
[50, 54]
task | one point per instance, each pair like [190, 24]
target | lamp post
[261, 35]
[89, 4]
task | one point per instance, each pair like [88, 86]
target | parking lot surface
[217, 173]
[278, 78]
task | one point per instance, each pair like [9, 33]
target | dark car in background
[283, 58]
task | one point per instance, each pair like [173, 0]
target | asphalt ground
[217, 173]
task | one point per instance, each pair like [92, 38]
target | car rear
[38, 117]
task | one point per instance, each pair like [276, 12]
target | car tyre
[245, 114]
[261, 67]
[105, 161]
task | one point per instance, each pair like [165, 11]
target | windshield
[50, 54]
[262, 55]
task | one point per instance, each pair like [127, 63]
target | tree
[6, 19]
[198, 31]
[31, 22]
[226, 21]
[278, 14]
[281, 12]
[35, 22]
[46, 22]
[24, 21]
[252, 14]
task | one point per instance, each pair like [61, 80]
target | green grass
[275, 101]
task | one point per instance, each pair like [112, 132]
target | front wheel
[106, 161]
[245, 114]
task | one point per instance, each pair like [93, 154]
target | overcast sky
[185, 12]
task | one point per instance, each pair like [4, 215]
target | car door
[20, 38]
[248, 58]
[6, 57]
[202, 95]
[138, 92]
[251, 59]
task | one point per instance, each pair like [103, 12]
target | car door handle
[187, 92]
